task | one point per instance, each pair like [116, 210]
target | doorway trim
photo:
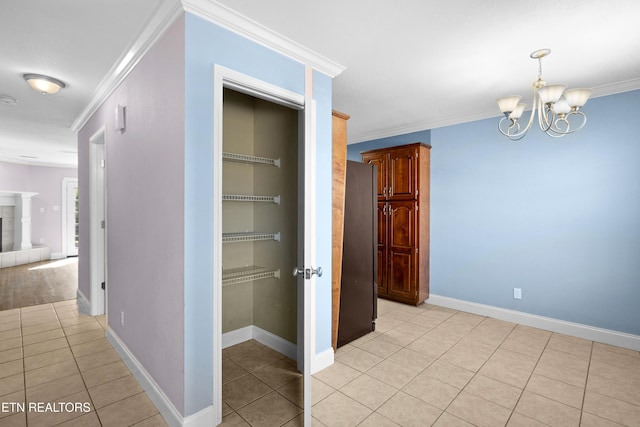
[224, 77]
[97, 174]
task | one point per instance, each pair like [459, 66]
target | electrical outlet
[517, 293]
[122, 318]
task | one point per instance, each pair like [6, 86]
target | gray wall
[145, 211]
[47, 182]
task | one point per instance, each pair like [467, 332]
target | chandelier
[558, 110]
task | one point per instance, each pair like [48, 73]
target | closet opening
[262, 210]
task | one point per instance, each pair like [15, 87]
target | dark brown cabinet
[358, 301]
[403, 221]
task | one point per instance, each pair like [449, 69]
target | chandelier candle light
[558, 115]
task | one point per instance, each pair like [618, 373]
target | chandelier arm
[533, 112]
[560, 132]
[516, 135]
[584, 119]
[555, 134]
[545, 122]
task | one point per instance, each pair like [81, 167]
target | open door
[308, 270]
[97, 231]
[304, 265]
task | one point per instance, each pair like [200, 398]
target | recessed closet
[259, 221]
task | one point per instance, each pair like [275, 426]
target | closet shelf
[252, 236]
[234, 276]
[245, 158]
[250, 198]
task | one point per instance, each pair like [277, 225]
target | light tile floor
[422, 366]
[430, 365]
[52, 354]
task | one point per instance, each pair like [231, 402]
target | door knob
[307, 272]
[317, 271]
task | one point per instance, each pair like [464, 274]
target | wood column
[339, 121]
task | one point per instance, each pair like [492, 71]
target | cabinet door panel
[380, 160]
[402, 221]
[403, 174]
[402, 275]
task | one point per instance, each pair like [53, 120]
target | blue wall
[207, 44]
[558, 218]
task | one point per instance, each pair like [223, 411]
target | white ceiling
[410, 64]
[74, 41]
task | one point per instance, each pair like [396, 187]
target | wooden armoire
[403, 221]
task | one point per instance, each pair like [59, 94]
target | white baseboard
[591, 333]
[157, 396]
[272, 341]
[238, 336]
[205, 417]
[275, 342]
[318, 361]
[83, 302]
[57, 255]
[322, 360]
[202, 418]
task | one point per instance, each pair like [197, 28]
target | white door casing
[97, 222]
[226, 78]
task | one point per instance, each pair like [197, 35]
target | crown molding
[233, 21]
[598, 91]
[165, 14]
[422, 126]
[617, 87]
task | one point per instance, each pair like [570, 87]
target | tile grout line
[419, 373]
[82, 376]
[538, 359]
[77, 366]
[529, 379]
[404, 322]
[475, 373]
[586, 382]
[361, 373]
[251, 373]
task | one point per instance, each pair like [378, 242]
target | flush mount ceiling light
[558, 115]
[44, 84]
